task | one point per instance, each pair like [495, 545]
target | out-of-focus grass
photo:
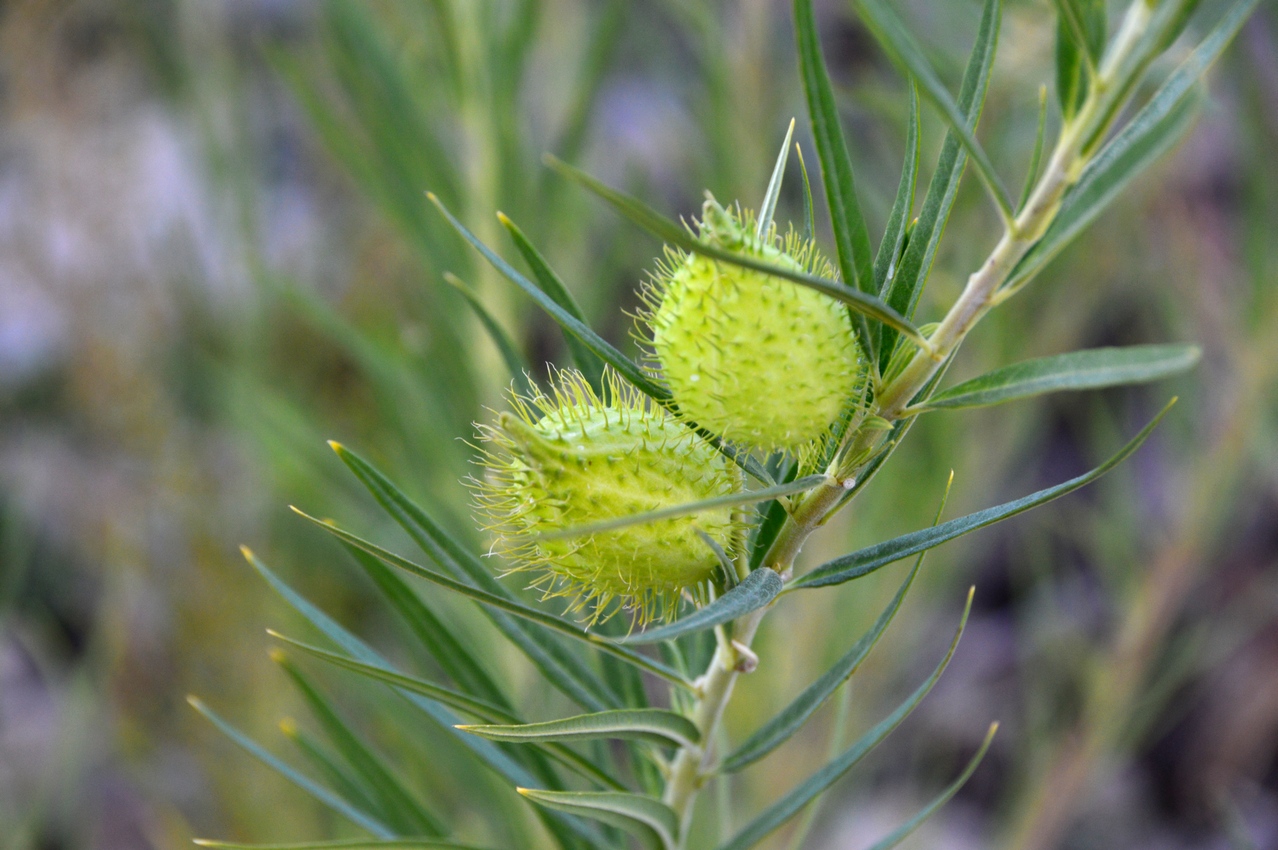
[209, 346]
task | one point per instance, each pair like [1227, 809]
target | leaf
[590, 364]
[885, 261]
[1154, 129]
[746, 498]
[562, 669]
[809, 212]
[769, 206]
[510, 355]
[756, 590]
[651, 725]
[916, 264]
[793, 802]
[851, 238]
[906, 53]
[790, 719]
[1031, 173]
[401, 812]
[1078, 370]
[1080, 41]
[499, 602]
[661, 227]
[867, 560]
[325, 796]
[350, 844]
[461, 702]
[899, 835]
[650, 820]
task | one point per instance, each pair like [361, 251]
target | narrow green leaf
[625, 367]
[867, 560]
[789, 720]
[809, 210]
[916, 264]
[1031, 173]
[648, 819]
[1078, 370]
[1080, 41]
[773, 519]
[768, 208]
[793, 802]
[688, 508]
[885, 260]
[398, 808]
[461, 702]
[1154, 129]
[501, 603]
[900, 834]
[319, 792]
[337, 775]
[651, 725]
[649, 219]
[562, 669]
[350, 844]
[851, 238]
[510, 354]
[756, 590]
[544, 276]
[905, 52]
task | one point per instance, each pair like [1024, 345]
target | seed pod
[573, 459]
[759, 359]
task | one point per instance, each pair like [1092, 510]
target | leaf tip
[288, 726]
[195, 702]
[504, 219]
[524, 792]
[247, 553]
[336, 446]
[277, 655]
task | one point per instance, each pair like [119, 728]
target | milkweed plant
[667, 499]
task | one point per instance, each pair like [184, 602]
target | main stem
[714, 688]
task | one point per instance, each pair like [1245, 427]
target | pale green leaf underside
[756, 590]
[652, 725]
[648, 819]
[1078, 370]
[816, 784]
[867, 560]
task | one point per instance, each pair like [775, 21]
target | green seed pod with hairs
[759, 359]
[572, 459]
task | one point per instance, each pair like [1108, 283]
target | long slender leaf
[461, 702]
[851, 238]
[583, 356]
[1154, 129]
[747, 498]
[562, 669]
[625, 367]
[900, 833]
[510, 354]
[401, 812]
[663, 228]
[809, 211]
[904, 51]
[789, 720]
[352, 844]
[885, 261]
[916, 264]
[650, 820]
[1078, 370]
[338, 776]
[793, 802]
[319, 792]
[867, 560]
[501, 603]
[755, 591]
[768, 208]
[1036, 156]
[652, 725]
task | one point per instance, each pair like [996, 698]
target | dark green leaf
[903, 50]
[652, 725]
[907, 284]
[865, 561]
[851, 238]
[899, 835]
[661, 227]
[648, 819]
[755, 591]
[1078, 370]
[885, 261]
[809, 210]
[793, 802]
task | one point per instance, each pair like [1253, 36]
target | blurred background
[215, 254]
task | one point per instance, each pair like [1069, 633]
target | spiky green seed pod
[573, 459]
[759, 359]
